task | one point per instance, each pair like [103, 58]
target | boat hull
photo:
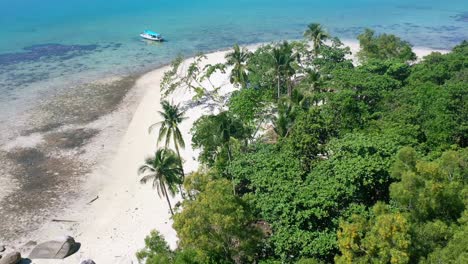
[147, 37]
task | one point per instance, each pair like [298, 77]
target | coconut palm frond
[153, 126]
[162, 133]
[147, 178]
[159, 188]
[157, 178]
[172, 190]
[145, 168]
[178, 139]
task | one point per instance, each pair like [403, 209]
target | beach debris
[11, 258]
[90, 202]
[55, 249]
[64, 221]
[88, 261]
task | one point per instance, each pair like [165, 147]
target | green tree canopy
[218, 226]
[362, 163]
[383, 238]
[384, 47]
[213, 133]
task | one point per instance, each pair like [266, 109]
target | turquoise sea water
[50, 45]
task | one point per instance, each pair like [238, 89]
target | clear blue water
[100, 37]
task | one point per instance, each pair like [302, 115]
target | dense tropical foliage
[315, 159]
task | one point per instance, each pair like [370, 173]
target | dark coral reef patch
[50, 50]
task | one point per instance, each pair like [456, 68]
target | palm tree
[238, 58]
[165, 171]
[278, 62]
[317, 35]
[283, 59]
[169, 128]
[311, 86]
[172, 116]
[215, 135]
[284, 119]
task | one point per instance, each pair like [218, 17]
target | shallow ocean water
[51, 45]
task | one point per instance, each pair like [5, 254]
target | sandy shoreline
[47, 161]
[112, 228]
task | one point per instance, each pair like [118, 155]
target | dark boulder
[55, 249]
[88, 261]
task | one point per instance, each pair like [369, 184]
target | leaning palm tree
[317, 35]
[165, 171]
[238, 58]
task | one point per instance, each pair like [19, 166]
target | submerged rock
[11, 258]
[55, 249]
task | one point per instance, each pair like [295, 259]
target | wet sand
[44, 167]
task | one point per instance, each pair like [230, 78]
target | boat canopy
[149, 32]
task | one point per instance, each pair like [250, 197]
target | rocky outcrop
[11, 258]
[55, 249]
[88, 261]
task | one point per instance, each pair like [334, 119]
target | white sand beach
[420, 52]
[113, 227]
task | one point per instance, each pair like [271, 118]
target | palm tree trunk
[168, 201]
[316, 47]
[183, 174]
[279, 91]
[232, 177]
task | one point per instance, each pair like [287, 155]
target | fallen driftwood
[63, 221]
[90, 202]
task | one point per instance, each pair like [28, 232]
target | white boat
[151, 35]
